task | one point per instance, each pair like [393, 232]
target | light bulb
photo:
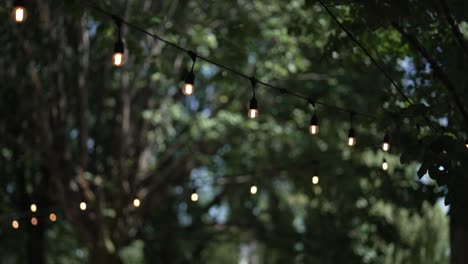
[19, 11]
[253, 109]
[136, 202]
[386, 143]
[34, 221]
[52, 217]
[351, 137]
[384, 165]
[466, 143]
[189, 87]
[315, 180]
[33, 208]
[15, 224]
[118, 57]
[194, 197]
[314, 128]
[82, 206]
[253, 189]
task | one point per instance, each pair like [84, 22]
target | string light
[253, 189]
[33, 208]
[253, 109]
[119, 48]
[314, 127]
[194, 196]
[82, 206]
[384, 165]
[315, 178]
[189, 84]
[351, 133]
[52, 217]
[19, 11]
[15, 224]
[34, 221]
[386, 142]
[136, 202]
[466, 143]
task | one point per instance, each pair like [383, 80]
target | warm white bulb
[385, 146]
[253, 113]
[52, 217]
[19, 14]
[34, 221]
[385, 166]
[466, 145]
[136, 202]
[313, 129]
[253, 189]
[15, 224]
[315, 180]
[117, 59]
[194, 197]
[33, 208]
[82, 206]
[188, 89]
[351, 141]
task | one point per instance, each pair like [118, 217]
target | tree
[106, 136]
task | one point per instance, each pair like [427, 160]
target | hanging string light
[83, 206]
[253, 189]
[194, 196]
[189, 84]
[351, 133]
[253, 109]
[314, 127]
[136, 202]
[386, 142]
[34, 221]
[315, 177]
[466, 143]
[52, 217]
[15, 224]
[384, 165]
[33, 208]
[19, 11]
[119, 48]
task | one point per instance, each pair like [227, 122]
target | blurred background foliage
[73, 128]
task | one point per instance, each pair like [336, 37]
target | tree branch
[454, 27]
[438, 71]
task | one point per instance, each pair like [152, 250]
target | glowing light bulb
[194, 197]
[136, 202]
[189, 87]
[118, 57]
[82, 206]
[386, 143]
[351, 137]
[253, 189]
[253, 109]
[33, 208]
[19, 11]
[52, 217]
[15, 224]
[315, 180]
[384, 165]
[314, 128]
[466, 143]
[34, 221]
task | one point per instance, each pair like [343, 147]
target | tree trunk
[100, 255]
[459, 231]
[35, 244]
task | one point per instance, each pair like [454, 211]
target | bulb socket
[119, 47]
[253, 104]
[314, 120]
[190, 78]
